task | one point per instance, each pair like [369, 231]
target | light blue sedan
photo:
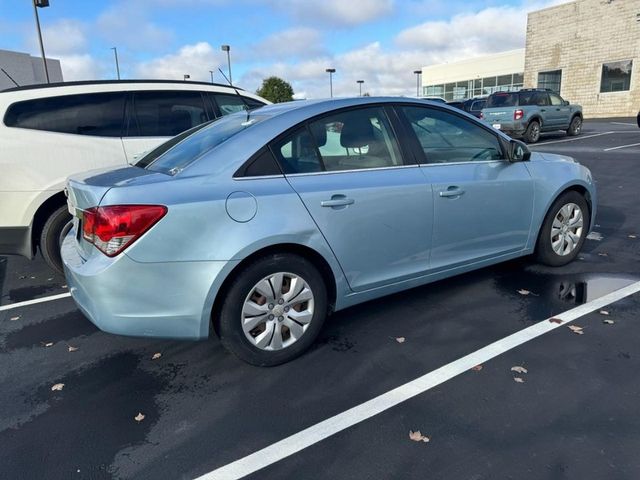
[260, 224]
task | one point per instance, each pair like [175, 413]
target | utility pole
[360, 82]
[41, 4]
[418, 73]
[115, 52]
[330, 71]
[227, 48]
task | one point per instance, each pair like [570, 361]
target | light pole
[211, 72]
[360, 82]
[418, 73]
[227, 48]
[330, 71]
[185, 77]
[115, 52]
[41, 4]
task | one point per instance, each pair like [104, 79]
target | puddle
[553, 294]
[55, 329]
[86, 424]
[28, 293]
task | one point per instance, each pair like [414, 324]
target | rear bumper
[511, 128]
[124, 297]
[16, 241]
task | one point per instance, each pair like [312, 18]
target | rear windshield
[502, 99]
[185, 149]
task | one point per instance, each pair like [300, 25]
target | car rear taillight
[113, 228]
[518, 114]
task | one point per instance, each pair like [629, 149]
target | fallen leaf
[13, 319]
[49, 279]
[64, 286]
[156, 356]
[57, 387]
[48, 344]
[597, 236]
[575, 329]
[555, 320]
[633, 236]
[524, 292]
[400, 339]
[139, 417]
[519, 369]
[72, 349]
[608, 322]
[602, 254]
[477, 368]
[604, 312]
[518, 379]
[418, 437]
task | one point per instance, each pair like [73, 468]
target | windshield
[185, 149]
[498, 100]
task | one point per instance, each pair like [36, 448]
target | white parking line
[572, 139]
[320, 431]
[621, 146]
[34, 301]
[623, 123]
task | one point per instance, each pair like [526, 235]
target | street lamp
[418, 73]
[360, 82]
[41, 4]
[211, 72]
[186, 76]
[331, 71]
[115, 52]
[227, 48]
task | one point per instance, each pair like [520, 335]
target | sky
[379, 41]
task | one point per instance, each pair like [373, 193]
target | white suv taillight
[113, 228]
[518, 114]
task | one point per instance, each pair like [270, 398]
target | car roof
[39, 86]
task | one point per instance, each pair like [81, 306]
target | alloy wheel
[566, 229]
[277, 311]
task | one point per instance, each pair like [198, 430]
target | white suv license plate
[497, 126]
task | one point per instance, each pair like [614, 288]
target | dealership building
[586, 50]
[26, 70]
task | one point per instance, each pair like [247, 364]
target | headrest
[319, 132]
[357, 132]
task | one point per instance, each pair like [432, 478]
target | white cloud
[127, 25]
[80, 67]
[335, 12]
[195, 60]
[291, 43]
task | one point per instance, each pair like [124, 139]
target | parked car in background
[530, 112]
[473, 106]
[435, 99]
[258, 225]
[51, 131]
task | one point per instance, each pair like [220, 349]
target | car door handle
[337, 201]
[543, 110]
[452, 192]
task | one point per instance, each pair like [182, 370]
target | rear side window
[165, 113]
[98, 114]
[503, 99]
[477, 105]
[233, 103]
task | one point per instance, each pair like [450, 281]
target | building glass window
[616, 76]
[476, 87]
[550, 80]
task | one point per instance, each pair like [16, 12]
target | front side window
[165, 113]
[445, 137]
[97, 114]
[556, 101]
[350, 140]
[616, 76]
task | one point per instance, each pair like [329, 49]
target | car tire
[50, 238]
[575, 127]
[560, 238]
[266, 343]
[532, 133]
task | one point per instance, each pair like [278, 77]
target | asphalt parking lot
[573, 415]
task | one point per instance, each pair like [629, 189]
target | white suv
[50, 132]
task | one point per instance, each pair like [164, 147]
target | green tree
[276, 90]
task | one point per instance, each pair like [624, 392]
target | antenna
[10, 78]
[246, 105]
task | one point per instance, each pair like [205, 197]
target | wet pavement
[575, 416]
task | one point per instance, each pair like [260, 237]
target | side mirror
[518, 151]
[565, 103]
